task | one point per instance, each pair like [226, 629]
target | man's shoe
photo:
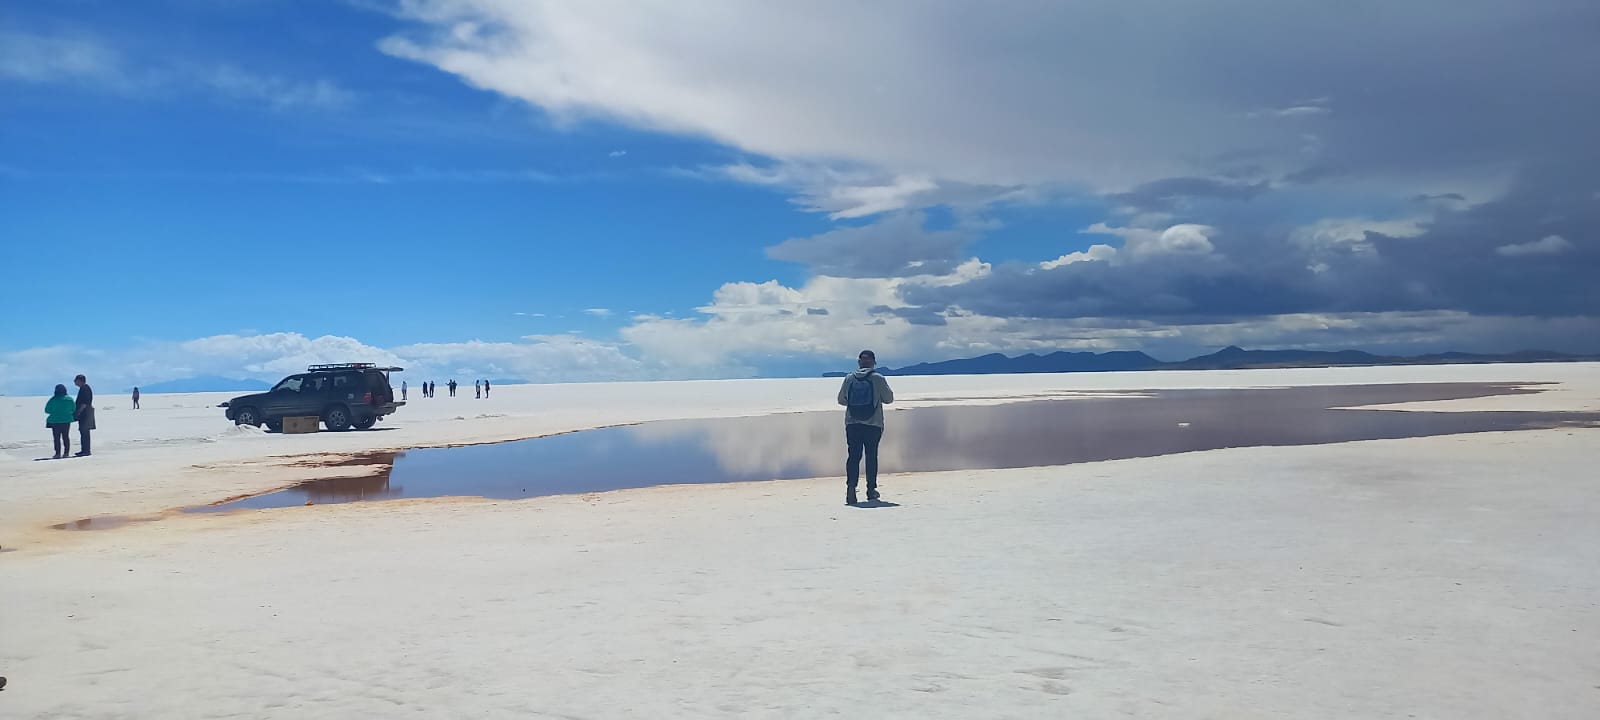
[82, 454]
[850, 499]
[872, 497]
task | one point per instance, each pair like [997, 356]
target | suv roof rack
[351, 366]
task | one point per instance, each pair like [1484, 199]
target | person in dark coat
[486, 389]
[136, 398]
[84, 414]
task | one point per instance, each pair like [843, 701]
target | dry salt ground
[1445, 577]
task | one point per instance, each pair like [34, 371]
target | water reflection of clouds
[759, 447]
[813, 445]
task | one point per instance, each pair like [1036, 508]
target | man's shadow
[871, 504]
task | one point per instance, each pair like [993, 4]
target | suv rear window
[377, 380]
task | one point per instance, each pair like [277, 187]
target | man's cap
[868, 353]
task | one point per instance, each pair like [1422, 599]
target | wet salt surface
[1023, 434]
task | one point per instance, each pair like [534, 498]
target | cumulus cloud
[1181, 239]
[1102, 253]
[1547, 245]
[598, 312]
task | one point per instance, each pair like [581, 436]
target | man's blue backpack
[860, 399]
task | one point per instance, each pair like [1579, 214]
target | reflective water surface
[1023, 434]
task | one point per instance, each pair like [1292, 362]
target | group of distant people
[61, 411]
[480, 388]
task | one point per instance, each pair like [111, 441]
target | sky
[651, 189]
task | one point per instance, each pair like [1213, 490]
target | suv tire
[366, 423]
[337, 418]
[247, 416]
[274, 425]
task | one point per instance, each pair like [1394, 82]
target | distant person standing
[136, 398]
[59, 410]
[486, 389]
[402, 390]
[84, 414]
[477, 389]
[452, 384]
[863, 394]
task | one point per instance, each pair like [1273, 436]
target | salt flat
[1447, 577]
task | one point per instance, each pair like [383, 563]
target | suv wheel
[247, 416]
[337, 418]
[366, 423]
[274, 425]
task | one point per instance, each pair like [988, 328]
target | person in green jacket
[59, 410]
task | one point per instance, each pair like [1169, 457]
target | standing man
[486, 389]
[84, 414]
[402, 390]
[863, 395]
[136, 398]
[477, 389]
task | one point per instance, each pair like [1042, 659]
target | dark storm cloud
[1258, 270]
[895, 246]
[1173, 193]
[918, 315]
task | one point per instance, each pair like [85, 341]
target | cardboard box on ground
[300, 424]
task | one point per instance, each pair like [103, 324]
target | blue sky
[644, 190]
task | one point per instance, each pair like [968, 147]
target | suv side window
[346, 382]
[290, 384]
[315, 383]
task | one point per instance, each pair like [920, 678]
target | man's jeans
[862, 439]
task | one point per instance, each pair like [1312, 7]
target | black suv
[343, 396]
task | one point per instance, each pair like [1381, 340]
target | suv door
[313, 395]
[284, 397]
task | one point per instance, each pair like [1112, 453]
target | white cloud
[598, 312]
[1548, 245]
[858, 192]
[95, 62]
[1350, 234]
[1103, 253]
[617, 153]
[57, 58]
[276, 92]
[1327, 240]
[1141, 243]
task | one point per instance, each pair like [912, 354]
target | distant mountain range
[1228, 358]
[204, 384]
